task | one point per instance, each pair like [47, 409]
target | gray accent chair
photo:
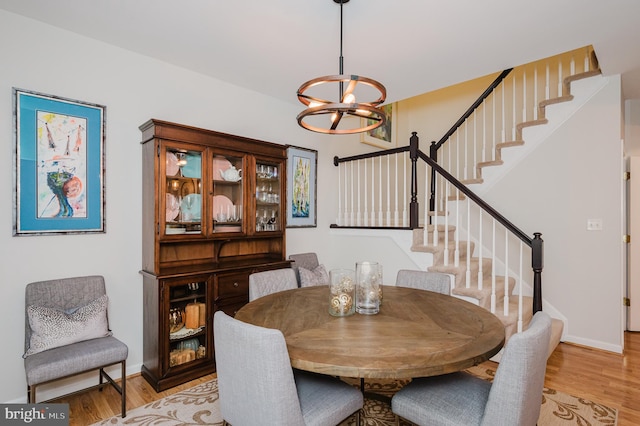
[75, 358]
[462, 399]
[304, 260]
[424, 280]
[267, 282]
[257, 385]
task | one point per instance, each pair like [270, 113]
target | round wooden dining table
[417, 333]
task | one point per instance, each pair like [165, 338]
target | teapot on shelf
[231, 174]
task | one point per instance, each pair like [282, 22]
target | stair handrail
[536, 243]
[472, 108]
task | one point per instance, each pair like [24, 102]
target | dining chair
[424, 280]
[267, 282]
[257, 385]
[308, 261]
[460, 398]
[67, 333]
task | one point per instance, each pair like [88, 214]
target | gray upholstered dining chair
[267, 282]
[67, 333]
[513, 398]
[307, 261]
[424, 280]
[257, 385]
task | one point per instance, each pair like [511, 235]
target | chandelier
[325, 116]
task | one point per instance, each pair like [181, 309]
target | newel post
[414, 207]
[537, 263]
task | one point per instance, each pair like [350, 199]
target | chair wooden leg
[31, 394]
[123, 387]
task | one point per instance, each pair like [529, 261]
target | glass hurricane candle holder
[367, 288]
[342, 286]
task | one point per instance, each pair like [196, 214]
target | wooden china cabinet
[212, 214]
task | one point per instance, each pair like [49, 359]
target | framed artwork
[383, 136]
[302, 165]
[59, 165]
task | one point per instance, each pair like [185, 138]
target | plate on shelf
[172, 164]
[172, 207]
[193, 167]
[190, 206]
[222, 204]
[220, 164]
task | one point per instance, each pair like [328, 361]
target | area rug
[199, 406]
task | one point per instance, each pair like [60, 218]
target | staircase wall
[575, 175]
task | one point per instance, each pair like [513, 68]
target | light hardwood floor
[603, 377]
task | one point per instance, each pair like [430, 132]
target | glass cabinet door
[227, 203]
[183, 189]
[187, 320]
[268, 197]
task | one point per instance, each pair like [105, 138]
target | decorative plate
[172, 207]
[220, 164]
[193, 167]
[172, 164]
[222, 204]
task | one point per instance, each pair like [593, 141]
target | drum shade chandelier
[324, 116]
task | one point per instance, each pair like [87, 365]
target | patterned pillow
[309, 278]
[52, 328]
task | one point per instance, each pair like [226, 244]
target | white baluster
[513, 110]
[484, 129]
[365, 216]
[380, 214]
[435, 211]
[468, 275]
[396, 213]
[466, 154]
[480, 244]
[493, 269]
[524, 96]
[547, 94]
[572, 66]
[352, 221]
[506, 272]
[358, 214]
[520, 291]
[446, 223]
[559, 77]
[475, 146]
[503, 133]
[388, 190]
[535, 92]
[339, 218]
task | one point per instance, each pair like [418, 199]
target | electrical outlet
[594, 224]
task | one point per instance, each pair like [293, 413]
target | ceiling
[411, 46]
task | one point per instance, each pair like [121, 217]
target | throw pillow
[52, 328]
[309, 278]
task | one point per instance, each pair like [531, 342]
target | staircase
[460, 237]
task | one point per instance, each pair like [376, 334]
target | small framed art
[59, 165]
[302, 164]
[383, 136]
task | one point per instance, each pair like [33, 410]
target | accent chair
[67, 333]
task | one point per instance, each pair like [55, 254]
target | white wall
[573, 176]
[134, 88]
